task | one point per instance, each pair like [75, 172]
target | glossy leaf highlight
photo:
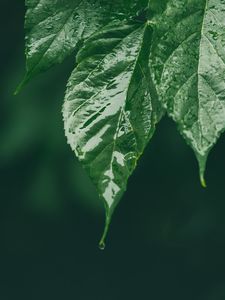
[188, 63]
[110, 109]
[135, 60]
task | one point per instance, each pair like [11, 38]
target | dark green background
[167, 239]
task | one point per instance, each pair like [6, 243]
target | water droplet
[101, 245]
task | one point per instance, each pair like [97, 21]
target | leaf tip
[202, 160]
[18, 89]
[102, 244]
[202, 180]
[20, 86]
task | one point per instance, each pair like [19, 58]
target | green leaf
[54, 29]
[157, 6]
[136, 59]
[188, 63]
[110, 108]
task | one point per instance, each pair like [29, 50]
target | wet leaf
[110, 108]
[136, 60]
[54, 28]
[188, 63]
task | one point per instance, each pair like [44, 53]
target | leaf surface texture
[110, 109]
[135, 60]
[188, 63]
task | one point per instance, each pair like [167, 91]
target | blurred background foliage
[167, 239]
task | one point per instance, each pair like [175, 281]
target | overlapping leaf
[188, 63]
[54, 28]
[137, 59]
